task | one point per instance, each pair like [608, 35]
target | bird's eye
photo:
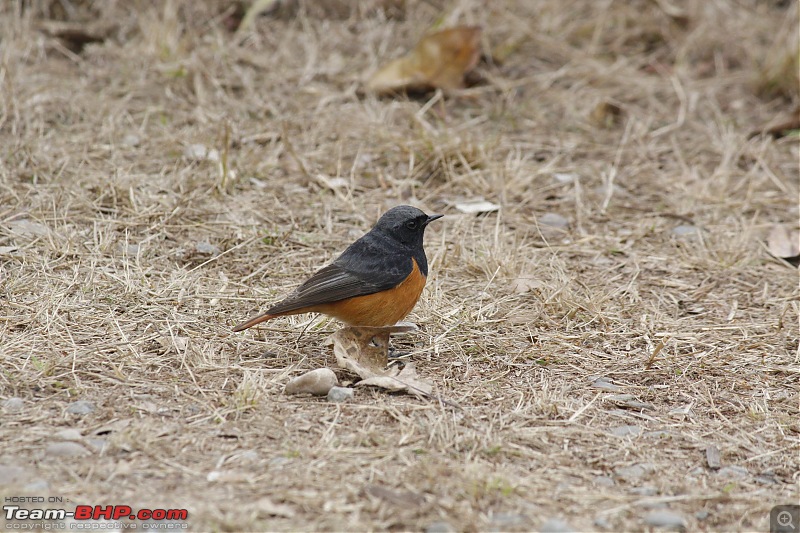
[411, 224]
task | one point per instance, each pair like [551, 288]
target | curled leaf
[439, 60]
[364, 351]
[784, 243]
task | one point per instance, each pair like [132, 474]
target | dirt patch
[614, 341]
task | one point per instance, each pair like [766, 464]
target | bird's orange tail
[253, 321]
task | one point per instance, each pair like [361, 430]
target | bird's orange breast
[383, 308]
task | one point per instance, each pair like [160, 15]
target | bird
[375, 282]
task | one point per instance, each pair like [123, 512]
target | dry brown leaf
[440, 60]
[783, 243]
[365, 352]
[405, 380]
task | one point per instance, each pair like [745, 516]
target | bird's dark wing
[339, 281]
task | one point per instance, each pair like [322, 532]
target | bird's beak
[431, 218]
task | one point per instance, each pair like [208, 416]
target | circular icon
[785, 519]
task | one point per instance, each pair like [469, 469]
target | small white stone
[317, 382]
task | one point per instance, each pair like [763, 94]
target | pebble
[629, 400]
[713, 458]
[204, 247]
[99, 445]
[81, 407]
[684, 230]
[766, 479]
[633, 472]
[131, 140]
[68, 434]
[666, 520]
[440, 527]
[317, 382]
[250, 456]
[66, 449]
[604, 383]
[556, 525]
[701, 515]
[340, 394]
[198, 152]
[13, 404]
[554, 220]
[624, 431]
[604, 481]
[565, 177]
[733, 472]
[477, 206]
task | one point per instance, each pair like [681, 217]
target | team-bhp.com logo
[87, 517]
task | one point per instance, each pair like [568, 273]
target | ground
[592, 344]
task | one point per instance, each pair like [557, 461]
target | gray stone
[66, 449]
[666, 520]
[198, 152]
[68, 434]
[440, 527]
[131, 140]
[684, 230]
[98, 444]
[733, 472]
[81, 407]
[604, 481]
[713, 458]
[207, 248]
[630, 401]
[565, 177]
[250, 456]
[556, 525]
[604, 383]
[624, 431]
[633, 472]
[13, 404]
[701, 515]
[766, 479]
[340, 394]
[554, 220]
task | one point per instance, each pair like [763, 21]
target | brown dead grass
[107, 298]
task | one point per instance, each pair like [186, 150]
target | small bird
[375, 282]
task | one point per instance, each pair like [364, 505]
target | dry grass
[107, 298]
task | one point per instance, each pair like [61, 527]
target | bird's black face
[405, 224]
